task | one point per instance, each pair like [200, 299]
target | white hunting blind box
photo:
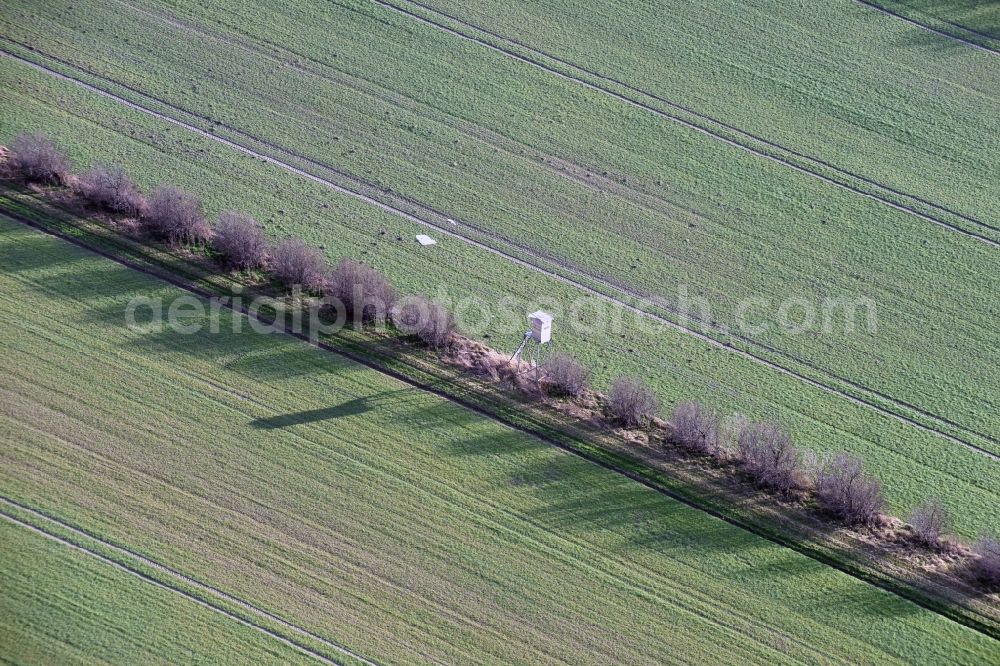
[541, 326]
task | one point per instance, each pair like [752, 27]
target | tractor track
[709, 131]
[167, 571]
[442, 227]
[888, 12]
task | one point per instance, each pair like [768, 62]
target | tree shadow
[34, 252]
[944, 44]
[643, 519]
[639, 524]
[352, 407]
[509, 443]
[349, 408]
[979, 17]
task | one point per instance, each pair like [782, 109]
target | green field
[727, 151]
[839, 82]
[908, 460]
[381, 517]
[489, 141]
[60, 606]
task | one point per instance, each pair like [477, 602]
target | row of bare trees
[837, 484]
[767, 455]
[764, 452]
[237, 240]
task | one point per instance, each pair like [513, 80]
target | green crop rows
[487, 140]
[387, 519]
[94, 614]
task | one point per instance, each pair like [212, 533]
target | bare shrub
[241, 240]
[695, 427]
[175, 215]
[929, 522]
[295, 263]
[985, 568]
[564, 375]
[35, 158]
[844, 490]
[632, 403]
[769, 457]
[425, 318]
[111, 189]
[366, 294]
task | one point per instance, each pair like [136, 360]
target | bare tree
[564, 375]
[425, 318]
[929, 522]
[695, 427]
[986, 565]
[632, 403]
[241, 240]
[111, 189]
[35, 158]
[175, 215]
[770, 458]
[847, 492]
[366, 294]
[295, 263]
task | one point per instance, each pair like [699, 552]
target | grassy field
[382, 517]
[60, 606]
[493, 142]
[839, 82]
[909, 462]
